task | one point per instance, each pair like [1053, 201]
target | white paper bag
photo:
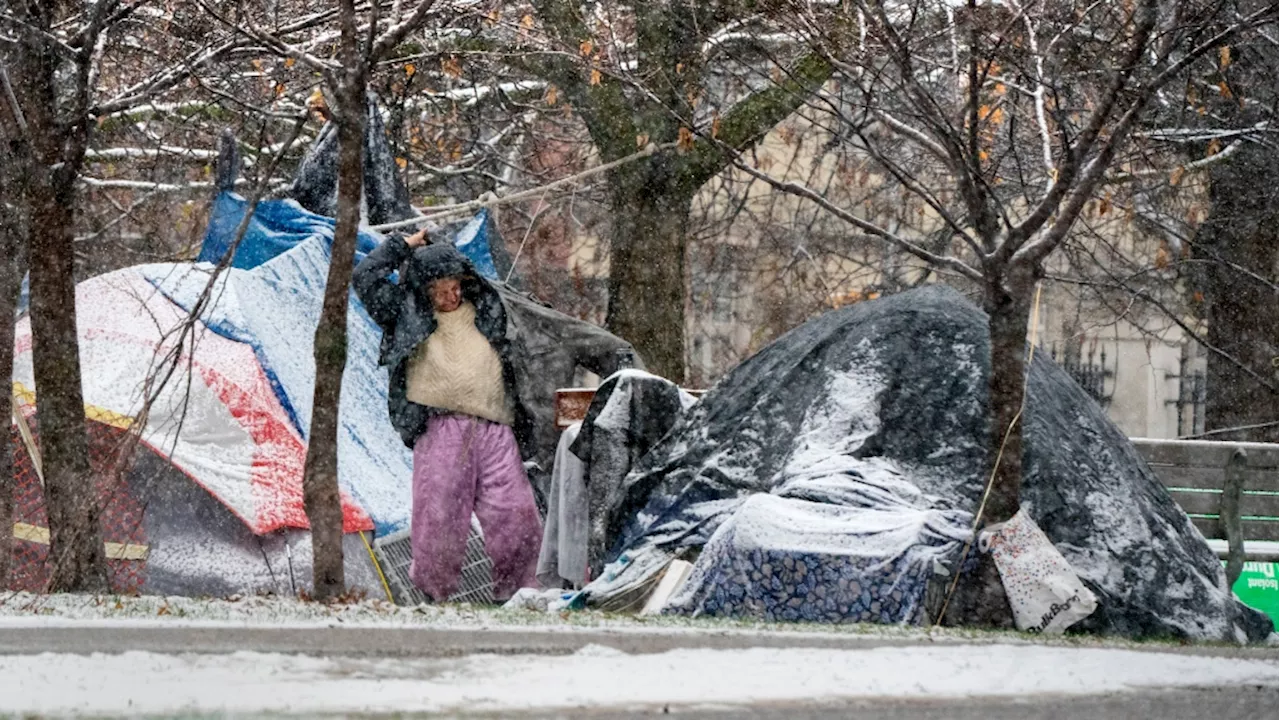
[1044, 592]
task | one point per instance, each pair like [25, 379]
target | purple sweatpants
[461, 465]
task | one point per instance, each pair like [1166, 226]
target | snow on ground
[139, 683]
[26, 610]
[34, 610]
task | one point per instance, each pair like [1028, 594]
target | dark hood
[432, 262]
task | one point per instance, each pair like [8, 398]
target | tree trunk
[320, 479]
[646, 266]
[10, 287]
[1242, 311]
[15, 154]
[980, 599]
[75, 539]
[52, 149]
[1008, 306]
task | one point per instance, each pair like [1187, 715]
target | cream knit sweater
[457, 369]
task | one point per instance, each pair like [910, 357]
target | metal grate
[476, 585]
[1090, 375]
[1191, 398]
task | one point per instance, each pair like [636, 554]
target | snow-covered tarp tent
[216, 500]
[834, 475]
[213, 504]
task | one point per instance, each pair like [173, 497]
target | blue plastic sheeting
[274, 308]
[277, 226]
[270, 299]
[473, 241]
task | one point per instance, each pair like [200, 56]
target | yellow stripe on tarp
[25, 396]
[107, 417]
[115, 551]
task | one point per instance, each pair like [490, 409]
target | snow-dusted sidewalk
[81, 655]
[139, 683]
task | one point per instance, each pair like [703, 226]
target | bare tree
[52, 83]
[1238, 238]
[1019, 112]
[647, 72]
[347, 77]
[54, 55]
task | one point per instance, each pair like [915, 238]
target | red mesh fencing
[121, 516]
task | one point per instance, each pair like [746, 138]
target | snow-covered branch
[1200, 164]
[1198, 135]
[130, 153]
[397, 32]
[152, 187]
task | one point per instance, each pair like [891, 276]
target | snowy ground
[139, 683]
[27, 610]
[959, 664]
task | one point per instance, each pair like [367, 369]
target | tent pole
[27, 438]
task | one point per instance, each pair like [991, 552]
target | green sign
[1259, 588]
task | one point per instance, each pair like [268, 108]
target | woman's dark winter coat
[540, 348]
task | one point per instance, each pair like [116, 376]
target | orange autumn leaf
[1224, 55]
[595, 77]
[552, 95]
[401, 163]
[586, 47]
[1176, 176]
[409, 69]
[1162, 257]
[685, 142]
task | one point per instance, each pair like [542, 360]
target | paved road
[449, 642]
[1247, 704]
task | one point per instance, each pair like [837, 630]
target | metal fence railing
[1089, 369]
